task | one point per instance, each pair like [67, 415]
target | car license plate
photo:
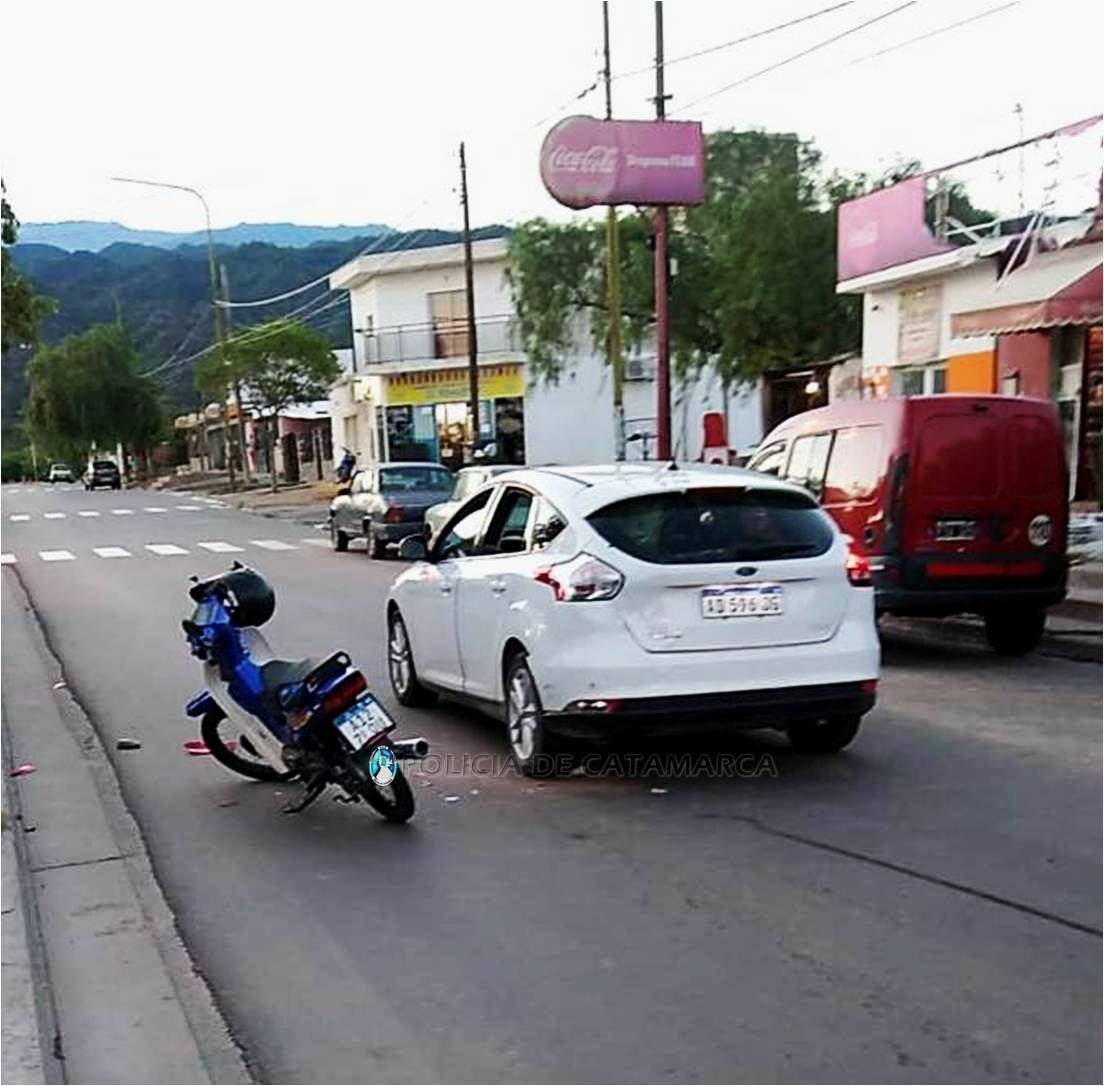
[363, 721]
[742, 601]
[950, 531]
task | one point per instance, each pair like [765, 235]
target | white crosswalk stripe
[7, 559]
[54, 516]
[20, 516]
[112, 552]
[190, 508]
[273, 544]
[165, 549]
[88, 513]
[56, 556]
[218, 547]
[155, 509]
[312, 542]
[123, 512]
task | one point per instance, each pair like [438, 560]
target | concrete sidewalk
[118, 998]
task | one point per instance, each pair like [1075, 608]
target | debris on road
[24, 770]
[452, 799]
[127, 744]
[196, 747]
[60, 684]
[659, 791]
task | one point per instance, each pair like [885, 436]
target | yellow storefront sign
[451, 385]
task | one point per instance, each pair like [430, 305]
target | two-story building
[1011, 308]
[406, 395]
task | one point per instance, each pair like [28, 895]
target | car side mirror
[413, 549]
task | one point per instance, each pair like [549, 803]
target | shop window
[911, 382]
[448, 313]
[938, 379]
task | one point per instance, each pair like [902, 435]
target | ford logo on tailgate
[747, 571]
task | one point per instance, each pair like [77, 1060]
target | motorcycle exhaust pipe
[409, 749]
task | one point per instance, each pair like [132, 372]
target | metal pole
[613, 276]
[663, 361]
[213, 282]
[473, 347]
[236, 384]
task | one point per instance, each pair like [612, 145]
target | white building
[405, 396]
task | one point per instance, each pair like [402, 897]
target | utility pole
[469, 285]
[663, 360]
[613, 276]
[246, 474]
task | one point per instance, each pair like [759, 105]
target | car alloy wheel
[399, 658]
[523, 714]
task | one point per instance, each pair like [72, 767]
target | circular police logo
[382, 766]
[1039, 530]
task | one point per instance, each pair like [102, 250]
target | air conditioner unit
[639, 369]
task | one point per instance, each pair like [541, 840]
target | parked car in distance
[385, 503]
[103, 473]
[957, 501]
[577, 601]
[60, 473]
[466, 482]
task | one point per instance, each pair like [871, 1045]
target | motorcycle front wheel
[395, 801]
[248, 763]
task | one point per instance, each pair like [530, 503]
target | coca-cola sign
[585, 162]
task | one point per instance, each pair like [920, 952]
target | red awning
[1077, 303]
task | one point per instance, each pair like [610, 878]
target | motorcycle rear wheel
[254, 768]
[394, 801]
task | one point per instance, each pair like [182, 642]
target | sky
[351, 111]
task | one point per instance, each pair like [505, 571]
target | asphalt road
[924, 907]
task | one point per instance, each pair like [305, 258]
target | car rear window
[415, 478]
[103, 465]
[714, 525]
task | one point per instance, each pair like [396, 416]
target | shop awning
[1078, 302]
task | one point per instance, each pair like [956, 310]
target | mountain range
[80, 234]
[162, 297]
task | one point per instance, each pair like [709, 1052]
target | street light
[219, 328]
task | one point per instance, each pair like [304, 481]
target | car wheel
[400, 665]
[338, 538]
[823, 735]
[535, 750]
[1016, 633]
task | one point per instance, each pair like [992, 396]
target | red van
[958, 502]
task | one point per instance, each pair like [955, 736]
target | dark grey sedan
[386, 503]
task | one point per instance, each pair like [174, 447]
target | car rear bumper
[396, 532]
[908, 588]
[735, 709]
[595, 658]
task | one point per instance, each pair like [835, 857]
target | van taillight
[895, 504]
[858, 568]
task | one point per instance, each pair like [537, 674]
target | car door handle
[498, 587]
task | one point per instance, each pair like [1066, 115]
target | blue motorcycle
[313, 721]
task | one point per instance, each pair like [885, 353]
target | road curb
[126, 1000]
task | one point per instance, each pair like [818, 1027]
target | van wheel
[825, 735]
[1015, 633]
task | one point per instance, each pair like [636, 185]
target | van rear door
[986, 478]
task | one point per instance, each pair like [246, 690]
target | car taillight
[345, 693]
[858, 568]
[394, 513]
[582, 578]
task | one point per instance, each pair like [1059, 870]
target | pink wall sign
[584, 162]
[883, 229]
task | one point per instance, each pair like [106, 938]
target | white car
[574, 600]
[467, 482]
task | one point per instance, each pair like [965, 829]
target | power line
[937, 31]
[796, 56]
[738, 41]
[183, 343]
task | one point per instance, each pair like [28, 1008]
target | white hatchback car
[574, 599]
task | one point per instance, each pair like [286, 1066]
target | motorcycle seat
[278, 673]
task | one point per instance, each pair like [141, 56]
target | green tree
[86, 391]
[21, 306]
[278, 363]
[755, 281]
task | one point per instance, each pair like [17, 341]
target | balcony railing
[444, 341]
